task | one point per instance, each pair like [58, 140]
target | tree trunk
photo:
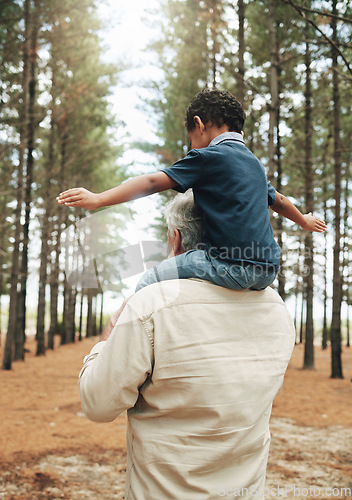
[308, 251]
[73, 298]
[348, 256]
[43, 271]
[296, 310]
[348, 323]
[4, 234]
[15, 268]
[274, 92]
[54, 289]
[80, 316]
[279, 220]
[241, 51]
[325, 334]
[66, 334]
[345, 246]
[90, 328]
[214, 40]
[21, 301]
[335, 333]
[301, 330]
[55, 268]
[95, 330]
[1, 285]
[101, 313]
[274, 136]
[298, 288]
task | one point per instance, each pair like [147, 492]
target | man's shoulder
[179, 292]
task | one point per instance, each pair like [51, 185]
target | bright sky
[128, 30]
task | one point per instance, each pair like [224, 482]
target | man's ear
[177, 243]
[199, 124]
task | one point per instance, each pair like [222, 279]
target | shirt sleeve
[187, 171]
[271, 194]
[114, 370]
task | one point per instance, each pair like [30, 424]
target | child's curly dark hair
[218, 107]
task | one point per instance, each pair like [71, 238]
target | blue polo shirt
[230, 187]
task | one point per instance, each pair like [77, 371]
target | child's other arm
[140, 186]
[284, 207]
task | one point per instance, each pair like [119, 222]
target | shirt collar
[227, 136]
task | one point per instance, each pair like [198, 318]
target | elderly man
[197, 367]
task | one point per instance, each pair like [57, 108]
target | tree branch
[310, 21]
[324, 42]
[320, 13]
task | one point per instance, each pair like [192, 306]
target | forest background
[288, 62]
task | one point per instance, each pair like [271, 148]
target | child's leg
[196, 264]
[244, 276]
[191, 264]
[263, 277]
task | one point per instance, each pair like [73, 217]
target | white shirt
[197, 366]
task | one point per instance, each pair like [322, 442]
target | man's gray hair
[181, 213]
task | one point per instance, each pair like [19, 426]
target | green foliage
[81, 84]
[184, 57]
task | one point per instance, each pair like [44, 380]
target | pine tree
[32, 126]
[21, 130]
[335, 333]
[309, 202]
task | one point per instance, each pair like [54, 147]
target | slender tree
[32, 125]
[15, 269]
[80, 327]
[241, 9]
[325, 334]
[335, 332]
[274, 152]
[45, 232]
[308, 251]
[11, 40]
[345, 255]
[90, 313]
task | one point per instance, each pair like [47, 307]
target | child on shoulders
[229, 186]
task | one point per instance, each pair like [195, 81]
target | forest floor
[49, 450]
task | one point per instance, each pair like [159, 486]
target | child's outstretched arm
[140, 186]
[284, 207]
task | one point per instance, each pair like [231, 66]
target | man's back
[208, 362]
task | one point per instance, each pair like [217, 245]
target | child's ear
[199, 124]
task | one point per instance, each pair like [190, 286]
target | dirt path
[48, 449]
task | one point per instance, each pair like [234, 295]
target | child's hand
[313, 224]
[79, 197]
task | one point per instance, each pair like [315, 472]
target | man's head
[215, 109]
[184, 222]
